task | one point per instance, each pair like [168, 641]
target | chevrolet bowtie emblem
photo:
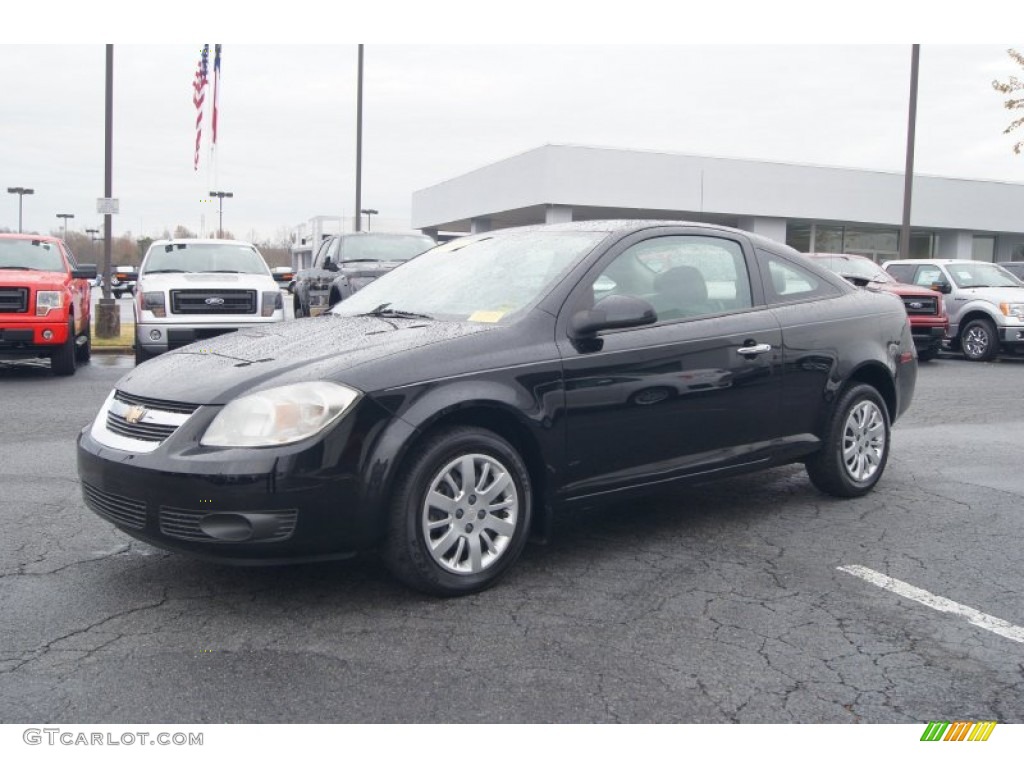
[135, 414]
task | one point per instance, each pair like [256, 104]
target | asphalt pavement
[724, 603]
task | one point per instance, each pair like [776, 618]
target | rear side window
[786, 281]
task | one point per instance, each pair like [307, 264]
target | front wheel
[855, 447]
[979, 341]
[63, 361]
[461, 513]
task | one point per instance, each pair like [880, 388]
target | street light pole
[369, 212]
[359, 141]
[908, 173]
[220, 214]
[65, 216]
[20, 192]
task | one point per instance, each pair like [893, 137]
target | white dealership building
[812, 208]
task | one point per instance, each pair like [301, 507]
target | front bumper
[157, 337]
[293, 503]
[928, 337]
[29, 339]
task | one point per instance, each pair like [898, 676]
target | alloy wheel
[470, 513]
[863, 440]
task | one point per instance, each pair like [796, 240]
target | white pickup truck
[189, 290]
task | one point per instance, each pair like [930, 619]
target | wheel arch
[496, 417]
[879, 377]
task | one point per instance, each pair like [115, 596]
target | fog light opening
[155, 334]
[226, 526]
[47, 334]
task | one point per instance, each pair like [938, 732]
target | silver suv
[189, 290]
[985, 303]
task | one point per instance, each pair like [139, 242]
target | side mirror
[84, 272]
[942, 287]
[330, 266]
[617, 311]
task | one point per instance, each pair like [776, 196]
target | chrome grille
[170, 406]
[137, 424]
[13, 299]
[184, 524]
[921, 305]
[218, 301]
[153, 432]
[119, 510]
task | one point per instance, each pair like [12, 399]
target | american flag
[216, 90]
[199, 95]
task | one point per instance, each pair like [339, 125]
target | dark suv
[346, 263]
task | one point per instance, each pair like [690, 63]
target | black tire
[141, 355]
[84, 351]
[63, 361]
[117, 294]
[472, 548]
[297, 306]
[855, 448]
[926, 355]
[978, 340]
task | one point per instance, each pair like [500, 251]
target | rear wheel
[63, 361]
[979, 341]
[855, 449]
[928, 354]
[297, 306]
[461, 513]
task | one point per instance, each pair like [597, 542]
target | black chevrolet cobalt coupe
[451, 407]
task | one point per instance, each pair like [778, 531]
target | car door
[695, 393]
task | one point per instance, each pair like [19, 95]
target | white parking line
[977, 618]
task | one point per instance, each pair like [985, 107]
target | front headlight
[281, 415]
[1013, 310]
[47, 300]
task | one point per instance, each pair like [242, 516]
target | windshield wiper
[163, 271]
[352, 261]
[384, 311]
[227, 271]
[33, 269]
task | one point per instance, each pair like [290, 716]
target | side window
[902, 272]
[786, 281]
[928, 274]
[681, 276]
[323, 252]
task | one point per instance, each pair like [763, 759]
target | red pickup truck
[929, 323]
[45, 305]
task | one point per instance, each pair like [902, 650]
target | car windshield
[30, 254]
[856, 267]
[384, 247]
[204, 257]
[981, 275]
[486, 278]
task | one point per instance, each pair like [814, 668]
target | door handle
[757, 349]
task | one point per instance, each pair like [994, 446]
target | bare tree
[1013, 86]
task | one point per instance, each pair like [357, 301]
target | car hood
[366, 268]
[329, 347]
[35, 278]
[185, 280]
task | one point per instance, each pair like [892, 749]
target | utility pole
[359, 143]
[908, 174]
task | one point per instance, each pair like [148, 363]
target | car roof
[626, 226]
[25, 236]
[199, 241]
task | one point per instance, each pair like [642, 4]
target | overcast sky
[286, 144]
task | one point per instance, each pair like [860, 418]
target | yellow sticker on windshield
[486, 317]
